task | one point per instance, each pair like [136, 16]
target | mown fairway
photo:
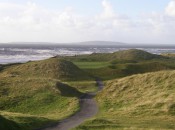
[91, 65]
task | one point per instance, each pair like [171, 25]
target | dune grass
[22, 121]
[138, 102]
[171, 55]
[54, 68]
[128, 123]
[35, 92]
[39, 98]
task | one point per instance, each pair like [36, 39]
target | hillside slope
[51, 68]
[148, 94]
[139, 102]
[36, 89]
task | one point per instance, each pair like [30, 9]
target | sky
[63, 21]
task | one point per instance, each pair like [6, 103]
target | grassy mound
[143, 94]
[134, 55]
[36, 96]
[131, 55]
[139, 102]
[51, 68]
[44, 98]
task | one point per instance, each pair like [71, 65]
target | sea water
[24, 53]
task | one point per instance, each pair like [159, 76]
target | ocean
[15, 53]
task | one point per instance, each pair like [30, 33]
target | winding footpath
[88, 108]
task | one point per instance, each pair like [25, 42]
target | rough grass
[143, 94]
[134, 54]
[35, 91]
[38, 97]
[171, 55]
[138, 102]
[128, 123]
[23, 121]
[126, 55]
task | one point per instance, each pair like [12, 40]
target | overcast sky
[133, 21]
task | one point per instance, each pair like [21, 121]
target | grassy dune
[122, 63]
[35, 94]
[51, 68]
[130, 55]
[143, 102]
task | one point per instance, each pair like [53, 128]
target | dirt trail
[88, 108]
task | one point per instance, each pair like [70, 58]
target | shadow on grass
[68, 91]
[6, 124]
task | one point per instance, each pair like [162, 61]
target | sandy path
[88, 108]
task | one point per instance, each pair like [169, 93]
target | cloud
[34, 23]
[31, 22]
[170, 9]
[108, 10]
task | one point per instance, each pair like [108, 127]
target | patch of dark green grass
[6, 124]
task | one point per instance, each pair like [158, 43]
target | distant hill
[84, 43]
[46, 45]
[103, 43]
[107, 43]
